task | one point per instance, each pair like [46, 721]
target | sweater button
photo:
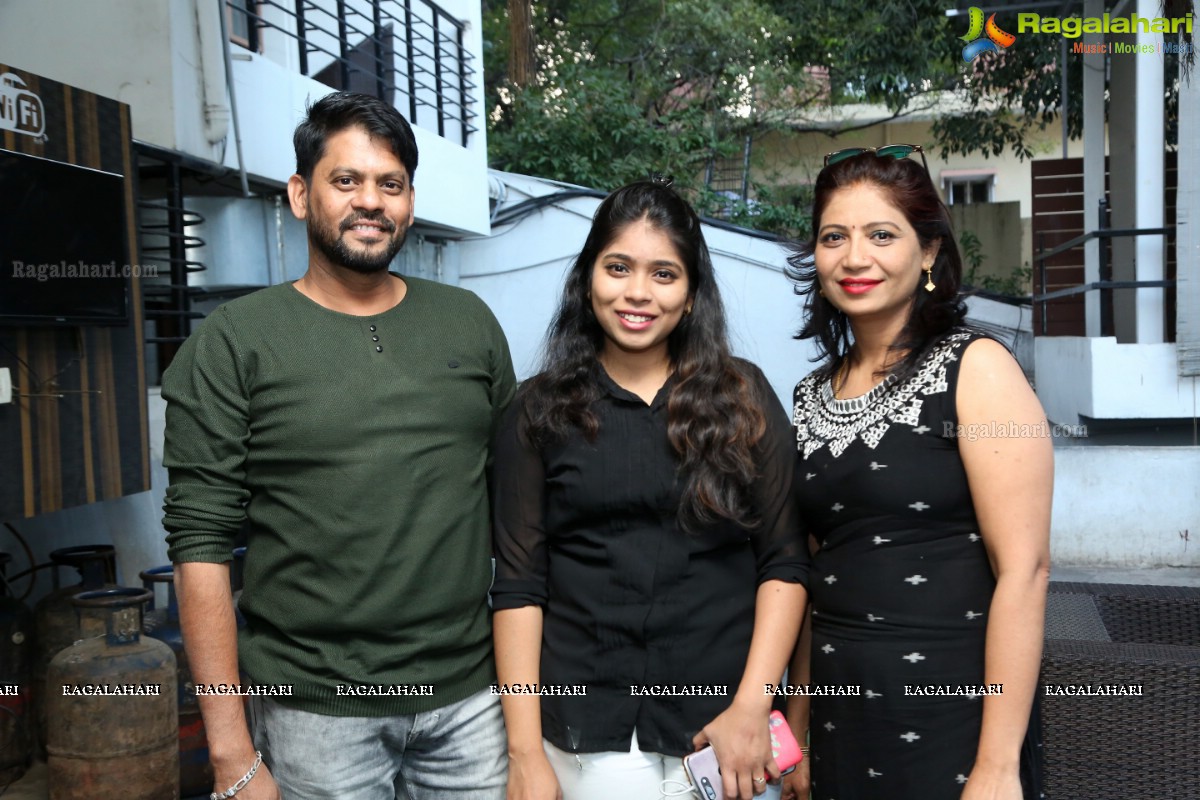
[379, 348]
[374, 338]
[372, 329]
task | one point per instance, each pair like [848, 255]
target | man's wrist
[239, 784]
[235, 758]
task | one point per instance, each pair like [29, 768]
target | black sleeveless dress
[900, 588]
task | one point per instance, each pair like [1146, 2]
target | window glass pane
[979, 191]
[239, 23]
[958, 194]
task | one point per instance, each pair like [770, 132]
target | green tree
[623, 88]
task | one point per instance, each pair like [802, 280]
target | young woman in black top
[647, 541]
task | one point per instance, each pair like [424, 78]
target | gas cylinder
[113, 724]
[195, 771]
[16, 666]
[56, 622]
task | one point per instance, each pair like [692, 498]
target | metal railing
[730, 176]
[1106, 284]
[410, 53]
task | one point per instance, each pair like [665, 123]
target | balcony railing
[1106, 284]
[409, 53]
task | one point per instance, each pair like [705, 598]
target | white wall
[1126, 506]
[149, 54]
[118, 49]
[797, 157]
[1099, 378]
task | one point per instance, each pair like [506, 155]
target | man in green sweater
[345, 419]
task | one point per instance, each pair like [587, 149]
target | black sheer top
[654, 621]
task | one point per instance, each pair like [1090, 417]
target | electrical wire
[561, 259]
[669, 787]
[521, 211]
[29, 555]
[526, 207]
[22, 362]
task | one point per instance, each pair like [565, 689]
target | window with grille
[964, 190]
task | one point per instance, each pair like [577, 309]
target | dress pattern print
[900, 587]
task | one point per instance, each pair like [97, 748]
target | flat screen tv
[64, 259]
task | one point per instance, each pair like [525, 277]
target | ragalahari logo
[20, 109]
[996, 40]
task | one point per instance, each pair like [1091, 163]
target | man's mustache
[385, 224]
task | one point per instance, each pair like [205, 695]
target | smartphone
[784, 747]
[705, 773]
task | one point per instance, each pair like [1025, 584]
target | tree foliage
[624, 88]
[1011, 96]
[628, 85]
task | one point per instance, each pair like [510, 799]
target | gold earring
[687, 311]
[929, 284]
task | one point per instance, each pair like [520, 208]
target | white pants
[625, 776]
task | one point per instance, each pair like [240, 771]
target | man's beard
[335, 248]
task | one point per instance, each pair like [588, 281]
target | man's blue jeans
[458, 752]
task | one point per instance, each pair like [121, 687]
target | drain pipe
[209, 31]
[237, 133]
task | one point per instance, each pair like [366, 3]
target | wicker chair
[1122, 746]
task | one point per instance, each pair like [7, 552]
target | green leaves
[588, 128]
[624, 88]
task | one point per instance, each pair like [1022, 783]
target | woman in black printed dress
[925, 479]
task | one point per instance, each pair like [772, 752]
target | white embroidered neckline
[821, 419]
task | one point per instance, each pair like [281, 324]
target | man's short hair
[338, 111]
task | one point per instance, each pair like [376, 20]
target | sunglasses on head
[887, 151]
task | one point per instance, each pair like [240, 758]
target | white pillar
[1150, 250]
[1093, 163]
[1187, 234]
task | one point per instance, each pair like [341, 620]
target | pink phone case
[784, 748]
[705, 774]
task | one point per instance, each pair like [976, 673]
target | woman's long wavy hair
[714, 418]
[909, 188]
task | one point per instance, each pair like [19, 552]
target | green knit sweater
[356, 449]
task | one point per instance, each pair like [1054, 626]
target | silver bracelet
[237, 787]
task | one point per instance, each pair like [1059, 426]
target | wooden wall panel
[92, 443]
[1059, 216]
